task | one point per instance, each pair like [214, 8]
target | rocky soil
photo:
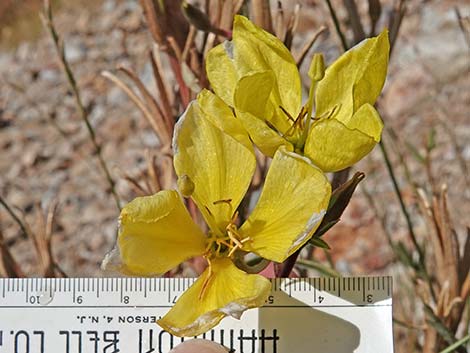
[45, 153]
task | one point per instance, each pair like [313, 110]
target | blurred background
[61, 179]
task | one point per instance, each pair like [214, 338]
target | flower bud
[185, 186]
[196, 17]
[317, 68]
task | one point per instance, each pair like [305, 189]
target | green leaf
[414, 152]
[320, 243]
[325, 228]
[457, 344]
[431, 143]
[323, 269]
[436, 322]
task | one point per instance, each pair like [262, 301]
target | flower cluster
[256, 99]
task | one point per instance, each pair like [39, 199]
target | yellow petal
[253, 94]
[253, 91]
[333, 145]
[228, 292]
[219, 166]
[257, 50]
[263, 136]
[221, 116]
[291, 206]
[157, 233]
[356, 78]
[367, 120]
[221, 72]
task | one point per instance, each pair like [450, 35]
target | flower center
[297, 133]
[222, 246]
[225, 245]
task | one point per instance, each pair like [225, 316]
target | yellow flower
[215, 168]
[257, 76]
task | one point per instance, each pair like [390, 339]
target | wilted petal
[226, 291]
[157, 233]
[291, 206]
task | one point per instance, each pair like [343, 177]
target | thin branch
[289, 264]
[14, 216]
[337, 25]
[49, 25]
[303, 53]
[465, 32]
[162, 88]
[406, 214]
[355, 20]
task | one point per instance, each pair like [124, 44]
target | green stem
[407, 216]
[456, 345]
[289, 264]
[48, 20]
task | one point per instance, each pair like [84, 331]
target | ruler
[110, 315]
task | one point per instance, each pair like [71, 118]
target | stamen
[328, 114]
[333, 111]
[234, 218]
[289, 117]
[227, 201]
[270, 125]
[223, 242]
[232, 251]
[205, 285]
[244, 240]
[230, 233]
[208, 210]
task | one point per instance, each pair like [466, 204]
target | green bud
[185, 186]
[196, 17]
[317, 68]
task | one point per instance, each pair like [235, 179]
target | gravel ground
[428, 86]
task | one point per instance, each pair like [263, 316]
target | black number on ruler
[125, 299]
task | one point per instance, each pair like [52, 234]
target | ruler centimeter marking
[110, 315]
[135, 284]
[362, 291]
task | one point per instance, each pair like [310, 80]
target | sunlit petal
[222, 291]
[221, 116]
[221, 72]
[291, 206]
[253, 91]
[263, 136]
[157, 233]
[256, 50]
[356, 78]
[333, 145]
[219, 166]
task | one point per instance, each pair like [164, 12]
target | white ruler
[110, 315]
